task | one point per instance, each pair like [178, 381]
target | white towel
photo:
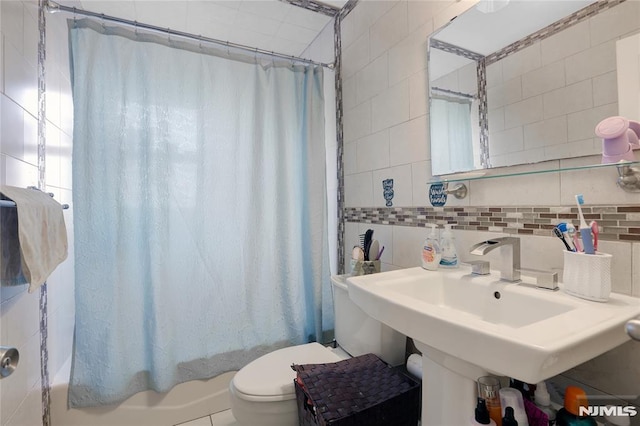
[41, 231]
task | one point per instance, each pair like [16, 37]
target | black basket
[360, 391]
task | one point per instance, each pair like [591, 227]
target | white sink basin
[527, 333]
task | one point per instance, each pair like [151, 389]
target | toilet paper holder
[9, 358]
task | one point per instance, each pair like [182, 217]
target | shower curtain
[199, 211]
[451, 135]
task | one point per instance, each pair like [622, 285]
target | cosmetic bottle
[543, 401]
[489, 389]
[510, 397]
[569, 415]
[481, 417]
[509, 419]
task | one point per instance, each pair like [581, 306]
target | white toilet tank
[359, 334]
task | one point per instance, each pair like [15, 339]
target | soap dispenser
[449, 254]
[431, 252]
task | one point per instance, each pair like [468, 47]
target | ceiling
[511, 22]
[272, 25]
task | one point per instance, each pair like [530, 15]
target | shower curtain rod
[453, 92]
[54, 7]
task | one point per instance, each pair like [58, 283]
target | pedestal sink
[470, 325]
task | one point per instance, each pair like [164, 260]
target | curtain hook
[200, 43]
[273, 59]
[135, 27]
[228, 51]
[102, 20]
[169, 34]
[255, 55]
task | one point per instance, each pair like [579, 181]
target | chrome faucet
[512, 246]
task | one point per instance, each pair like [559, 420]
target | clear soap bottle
[431, 252]
[449, 253]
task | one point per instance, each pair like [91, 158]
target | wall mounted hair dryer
[619, 139]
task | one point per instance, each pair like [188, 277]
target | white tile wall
[576, 97]
[19, 311]
[391, 107]
[349, 159]
[626, 18]
[521, 62]
[523, 112]
[580, 124]
[418, 103]
[59, 109]
[544, 79]
[570, 41]
[372, 152]
[548, 132]
[499, 95]
[590, 63]
[408, 141]
[387, 31]
[357, 122]
[349, 97]
[355, 56]
[605, 89]
[402, 62]
[358, 189]
[538, 71]
[372, 79]
[509, 140]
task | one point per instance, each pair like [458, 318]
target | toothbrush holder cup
[587, 276]
[364, 267]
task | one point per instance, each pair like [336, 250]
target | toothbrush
[595, 231]
[573, 235]
[558, 233]
[569, 231]
[564, 228]
[585, 231]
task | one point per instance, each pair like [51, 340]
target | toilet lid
[271, 375]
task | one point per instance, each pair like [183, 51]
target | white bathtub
[186, 401]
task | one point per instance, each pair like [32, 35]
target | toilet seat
[262, 393]
[270, 377]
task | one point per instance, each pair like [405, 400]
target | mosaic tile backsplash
[616, 223]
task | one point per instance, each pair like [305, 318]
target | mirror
[518, 81]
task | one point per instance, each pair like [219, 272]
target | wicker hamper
[360, 391]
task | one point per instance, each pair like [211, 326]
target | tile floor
[223, 418]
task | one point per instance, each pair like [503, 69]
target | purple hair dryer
[619, 139]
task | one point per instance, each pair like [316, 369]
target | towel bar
[9, 203]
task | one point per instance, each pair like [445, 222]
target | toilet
[262, 392]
